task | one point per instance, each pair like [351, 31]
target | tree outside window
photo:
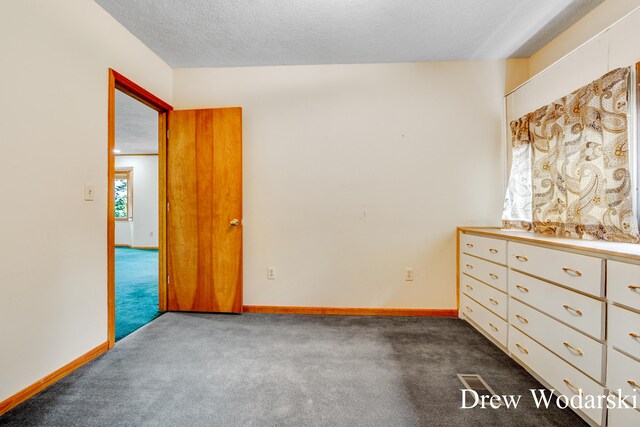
[123, 194]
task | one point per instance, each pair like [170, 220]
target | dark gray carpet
[276, 370]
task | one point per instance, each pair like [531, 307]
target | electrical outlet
[408, 274]
[271, 273]
[151, 234]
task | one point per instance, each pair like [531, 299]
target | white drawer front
[580, 272]
[622, 373]
[619, 417]
[623, 283]
[581, 351]
[581, 312]
[487, 272]
[491, 298]
[485, 319]
[624, 330]
[555, 371]
[484, 247]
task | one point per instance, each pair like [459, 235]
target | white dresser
[567, 310]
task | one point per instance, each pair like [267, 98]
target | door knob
[234, 222]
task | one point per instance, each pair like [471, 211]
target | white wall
[53, 140]
[142, 230]
[354, 172]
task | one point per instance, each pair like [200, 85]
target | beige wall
[599, 19]
[53, 140]
[354, 172]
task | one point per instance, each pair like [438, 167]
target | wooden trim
[53, 377]
[111, 224]
[346, 311]
[532, 239]
[118, 81]
[125, 85]
[146, 248]
[458, 232]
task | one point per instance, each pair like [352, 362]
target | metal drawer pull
[522, 289]
[577, 312]
[571, 271]
[572, 348]
[522, 319]
[469, 245]
[493, 327]
[470, 267]
[633, 384]
[571, 386]
[634, 287]
[522, 349]
[634, 336]
[494, 276]
[522, 258]
[493, 251]
[494, 302]
[469, 309]
[469, 287]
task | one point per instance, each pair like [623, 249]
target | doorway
[136, 226]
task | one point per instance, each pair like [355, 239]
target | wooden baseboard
[347, 311]
[135, 247]
[45, 382]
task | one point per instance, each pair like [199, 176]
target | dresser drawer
[484, 247]
[485, 271]
[623, 283]
[556, 372]
[580, 311]
[624, 330]
[491, 298]
[623, 373]
[580, 272]
[623, 417]
[489, 322]
[581, 351]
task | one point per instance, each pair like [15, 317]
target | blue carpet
[136, 289]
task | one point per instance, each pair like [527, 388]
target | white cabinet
[563, 308]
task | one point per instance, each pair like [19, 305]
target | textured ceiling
[222, 33]
[136, 126]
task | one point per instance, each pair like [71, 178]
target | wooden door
[204, 219]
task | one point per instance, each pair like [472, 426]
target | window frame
[128, 175]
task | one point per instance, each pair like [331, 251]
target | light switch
[89, 192]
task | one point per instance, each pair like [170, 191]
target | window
[123, 194]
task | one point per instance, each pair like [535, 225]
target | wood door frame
[123, 84]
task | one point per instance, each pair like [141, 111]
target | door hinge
[167, 133]
[168, 279]
[167, 206]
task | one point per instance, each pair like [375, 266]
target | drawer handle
[469, 245]
[572, 387]
[571, 271]
[470, 267]
[633, 384]
[493, 327]
[469, 287]
[493, 251]
[634, 287]
[522, 349]
[494, 276]
[571, 309]
[634, 335]
[522, 289]
[572, 348]
[522, 319]
[494, 302]
[522, 258]
[469, 309]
